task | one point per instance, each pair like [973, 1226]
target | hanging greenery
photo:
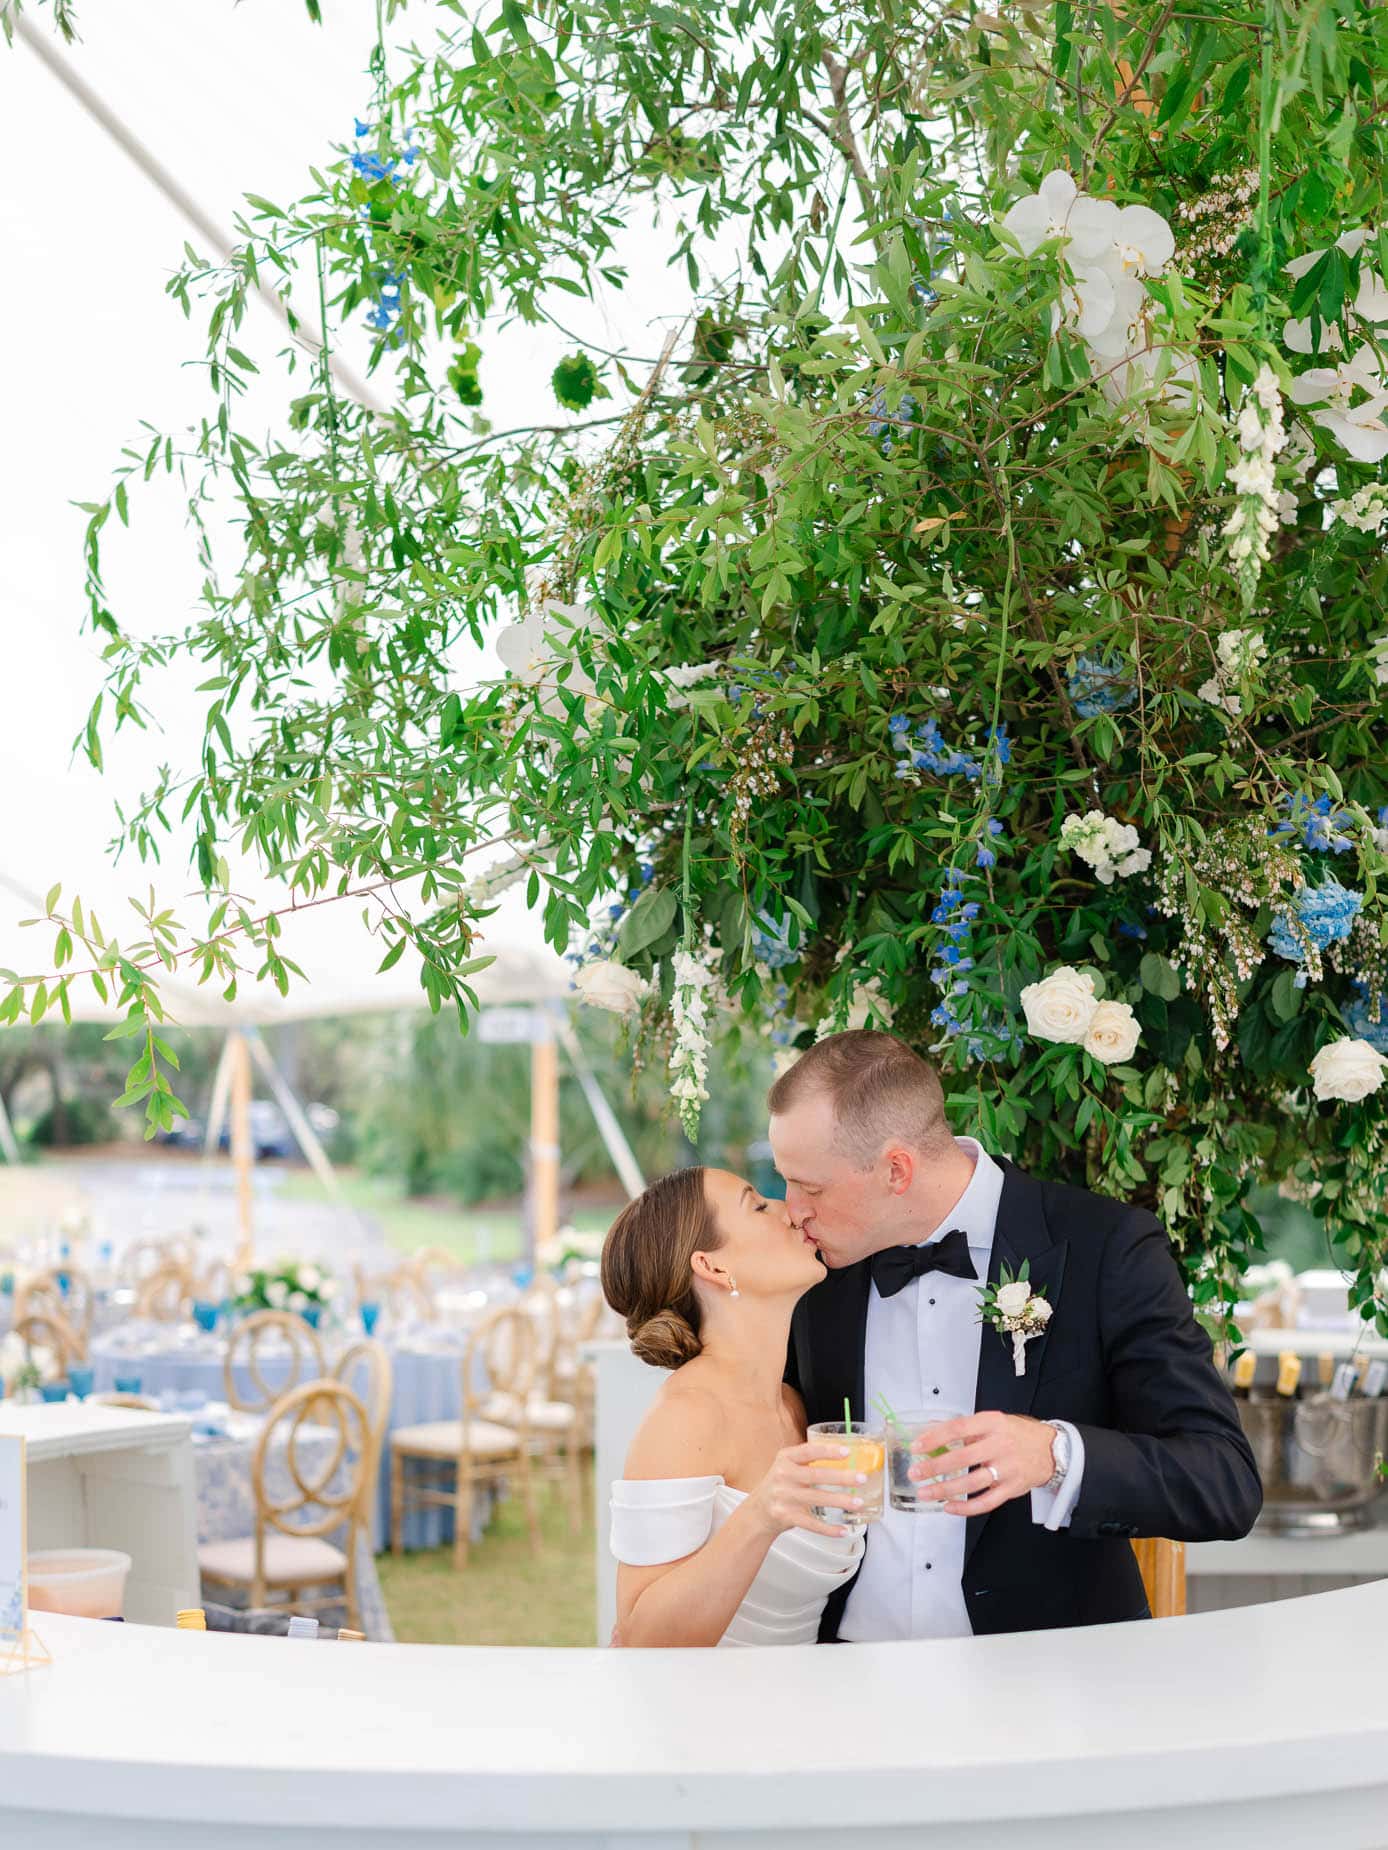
[969, 620]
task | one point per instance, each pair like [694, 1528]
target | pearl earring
[734, 1292]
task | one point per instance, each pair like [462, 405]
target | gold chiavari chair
[48, 1332]
[478, 1452]
[1163, 1567]
[364, 1366]
[401, 1292]
[279, 1331]
[289, 1550]
[42, 1295]
[166, 1296]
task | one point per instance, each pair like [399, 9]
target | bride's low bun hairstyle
[646, 1266]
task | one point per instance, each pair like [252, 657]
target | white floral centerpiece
[289, 1284]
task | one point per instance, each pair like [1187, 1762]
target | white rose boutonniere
[1015, 1310]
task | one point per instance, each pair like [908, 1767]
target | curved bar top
[1259, 1725]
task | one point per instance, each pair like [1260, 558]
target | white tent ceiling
[231, 98]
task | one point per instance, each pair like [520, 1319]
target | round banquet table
[1265, 1725]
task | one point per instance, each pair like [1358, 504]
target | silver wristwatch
[1060, 1458]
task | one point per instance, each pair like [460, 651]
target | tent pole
[242, 1151]
[544, 1143]
[609, 1129]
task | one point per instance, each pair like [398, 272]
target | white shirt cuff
[1053, 1508]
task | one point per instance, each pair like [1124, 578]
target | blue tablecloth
[226, 1505]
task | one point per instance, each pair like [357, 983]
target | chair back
[277, 1331]
[301, 1502]
[139, 1260]
[506, 1348]
[364, 1366]
[213, 1285]
[50, 1332]
[43, 1295]
[166, 1295]
[1163, 1568]
[401, 1291]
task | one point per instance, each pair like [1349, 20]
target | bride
[712, 1524]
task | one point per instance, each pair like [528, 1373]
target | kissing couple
[1070, 1428]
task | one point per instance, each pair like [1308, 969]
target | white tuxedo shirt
[922, 1350]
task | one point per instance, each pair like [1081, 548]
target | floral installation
[605, 984]
[1012, 1308]
[289, 1284]
[1108, 846]
[1261, 505]
[1065, 1007]
[1323, 825]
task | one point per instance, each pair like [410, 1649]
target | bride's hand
[795, 1482]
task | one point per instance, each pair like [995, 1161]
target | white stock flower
[607, 985]
[1012, 1299]
[1061, 1006]
[1113, 1033]
[1347, 1069]
[689, 1055]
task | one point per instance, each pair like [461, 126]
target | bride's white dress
[665, 1519]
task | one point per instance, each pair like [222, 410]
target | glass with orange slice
[867, 1457]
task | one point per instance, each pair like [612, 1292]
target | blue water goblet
[370, 1316]
[129, 1384]
[81, 1381]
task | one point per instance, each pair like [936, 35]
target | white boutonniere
[1015, 1310]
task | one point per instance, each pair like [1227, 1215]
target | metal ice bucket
[1319, 1461]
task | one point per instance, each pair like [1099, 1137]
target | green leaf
[647, 922]
[1159, 977]
[1285, 997]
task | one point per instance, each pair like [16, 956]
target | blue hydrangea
[771, 942]
[1100, 684]
[1322, 825]
[1362, 1024]
[1326, 914]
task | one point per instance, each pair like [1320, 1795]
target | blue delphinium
[1322, 825]
[1326, 915]
[926, 749]
[1100, 684]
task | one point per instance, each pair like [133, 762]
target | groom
[1120, 1426]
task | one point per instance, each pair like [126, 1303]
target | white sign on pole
[509, 1027]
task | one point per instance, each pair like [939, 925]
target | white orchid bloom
[1361, 430]
[1335, 385]
[1124, 329]
[1297, 338]
[1143, 243]
[1350, 242]
[1033, 221]
[527, 652]
[1087, 303]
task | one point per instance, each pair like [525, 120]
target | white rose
[308, 1277]
[1012, 1299]
[1040, 1310]
[1060, 1006]
[607, 985]
[276, 1293]
[327, 1289]
[1113, 1033]
[1348, 1069]
[297, 1301]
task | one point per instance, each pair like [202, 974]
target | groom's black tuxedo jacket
[1122, 1358]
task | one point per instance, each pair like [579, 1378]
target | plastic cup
[900, 1458]
[865, 1458]
[86, 1583]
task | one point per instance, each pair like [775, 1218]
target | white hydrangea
[1108, 846]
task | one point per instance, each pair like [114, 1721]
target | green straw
[847, 1419]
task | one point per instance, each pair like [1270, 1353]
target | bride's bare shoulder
[684, 1433]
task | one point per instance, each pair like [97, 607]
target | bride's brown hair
[647, 1275]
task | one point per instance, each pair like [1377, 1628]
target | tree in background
[967, 621]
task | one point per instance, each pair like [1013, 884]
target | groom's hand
[1005, 1455]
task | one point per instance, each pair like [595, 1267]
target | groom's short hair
[879, 1089]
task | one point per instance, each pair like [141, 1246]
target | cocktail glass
[901, 1431]
[866, 1457]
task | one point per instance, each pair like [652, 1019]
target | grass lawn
[504, 1595]
[476, 1235]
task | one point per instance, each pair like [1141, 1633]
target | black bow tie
[894, 1269]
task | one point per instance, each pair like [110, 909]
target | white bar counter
[1262, 1726]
